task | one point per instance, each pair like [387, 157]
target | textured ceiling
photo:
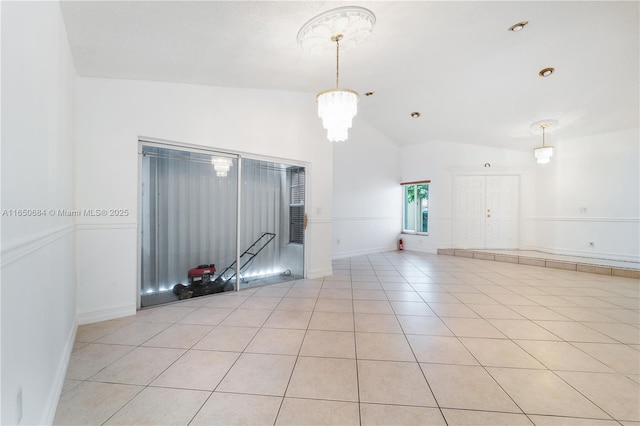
[454, 62]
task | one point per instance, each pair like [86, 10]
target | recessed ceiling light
[546, 72]
[415, 114]
[519, 26]
[369, 93]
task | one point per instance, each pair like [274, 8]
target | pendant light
[221, 165]
[348, 25]
[337, 107]
[543, 153]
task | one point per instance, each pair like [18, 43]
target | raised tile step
[544, 260]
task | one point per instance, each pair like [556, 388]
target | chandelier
[350, 25]
[543, 153]
[221, 165]
[337, 107]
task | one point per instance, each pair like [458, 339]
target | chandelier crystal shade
[543, 153]
[221, 165]
[337, 107]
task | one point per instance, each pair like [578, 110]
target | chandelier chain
[337, 60]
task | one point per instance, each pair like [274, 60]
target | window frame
[404, 185]
[296, 203]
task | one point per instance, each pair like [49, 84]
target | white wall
[366, 193]
[590, 192]
[438, 162]
[113, 114]
[38, 283]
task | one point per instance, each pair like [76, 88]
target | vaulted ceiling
[456, 63]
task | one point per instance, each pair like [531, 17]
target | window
[415, 210]
[296, 205]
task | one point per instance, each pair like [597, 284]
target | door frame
[486, 171]
[240, 155]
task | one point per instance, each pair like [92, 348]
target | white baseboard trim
[319, 273]
[58, 382]
[363, 252]
[106, 314]
[429, 250]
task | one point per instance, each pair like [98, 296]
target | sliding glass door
[191, 225]
[188, 218]
[271, 252]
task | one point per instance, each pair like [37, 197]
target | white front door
[468, 213]
[502, 212]
[485, 212]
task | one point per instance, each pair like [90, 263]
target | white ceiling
[454, 62]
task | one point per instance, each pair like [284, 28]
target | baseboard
[429, 250]
[319, 273]
[106, 314]
[363, 252]
[61, 372]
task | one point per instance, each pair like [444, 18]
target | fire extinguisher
[400, 245]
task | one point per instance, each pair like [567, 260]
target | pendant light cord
[337, 39]
[337, 61]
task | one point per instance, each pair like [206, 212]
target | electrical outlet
[19, 405]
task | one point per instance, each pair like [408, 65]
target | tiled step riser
[546, 263]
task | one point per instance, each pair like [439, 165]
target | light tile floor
[391, 338]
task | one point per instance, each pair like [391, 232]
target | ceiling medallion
[353, 22]
[548, 123]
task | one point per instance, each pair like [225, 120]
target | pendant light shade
[337, 107]
[221, 165]
[543, 153]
